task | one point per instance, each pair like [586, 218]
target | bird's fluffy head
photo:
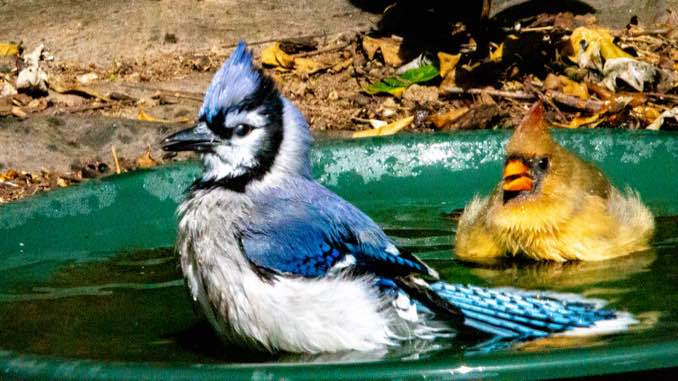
[255, 129]
[542, 181]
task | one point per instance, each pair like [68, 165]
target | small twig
[536, 29]
[115, 160]
[321, 51]
[651, 32]
[663, 96]
[574, 102]
[499, 93]
[174, 93]
[86, 108]
[313, 35]
[5, 183]
[180, 95]
[532, 88]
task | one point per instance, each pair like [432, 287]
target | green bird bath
[90, 287]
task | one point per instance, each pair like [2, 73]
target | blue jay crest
[237, 80]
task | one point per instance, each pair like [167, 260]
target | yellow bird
[551, 205]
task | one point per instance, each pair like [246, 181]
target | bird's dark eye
[543, 163]
[242, 129]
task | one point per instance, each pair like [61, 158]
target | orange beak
[517, 177]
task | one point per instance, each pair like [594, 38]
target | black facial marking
[268, 99]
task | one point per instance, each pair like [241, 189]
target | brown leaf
[388, 46]
[444, 119]
[8, 49]
[6, 106]
[62, 183]
[647, 113]
[146, 160]
[600, 91]
[659, 121]
[341, 65]
[307, 65]
[552, 82]
[142, 115]
[592, 45]
[388, 129]
[573, 88]
[274, 56]
[8, 175]
[498, 54]
[448, 62]
[589, 121]
[18, 112]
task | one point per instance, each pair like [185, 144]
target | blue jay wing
[294, 247]
[311, 236]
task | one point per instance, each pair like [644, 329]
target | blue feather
[314, 231]
[520, 314]
[236, 79]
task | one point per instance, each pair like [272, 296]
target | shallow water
[132, 306]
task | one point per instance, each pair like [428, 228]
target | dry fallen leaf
[8, 175]
[591, 45]
[657, 124]
[448, 62]
[341, 65]
[18, 112]
[579, 121]
[443, 120]
[498, 54]
[573, 88]
[634, 72]
[146, 160]
[388, 129]
[8, 49]
[552, 82]
[275, 56]
[142, 115]
[307, 65]
[389, 47]
[647, 113]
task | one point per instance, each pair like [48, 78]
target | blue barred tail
[524, 315]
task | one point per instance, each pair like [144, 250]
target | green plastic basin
[85, 295]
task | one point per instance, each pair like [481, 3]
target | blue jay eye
[242, 129]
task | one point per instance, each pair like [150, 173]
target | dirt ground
[135, 71]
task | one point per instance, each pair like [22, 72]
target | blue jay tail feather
[424, 294]
[519, 315]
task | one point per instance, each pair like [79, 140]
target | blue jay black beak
[199, 138]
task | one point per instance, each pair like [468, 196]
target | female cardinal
[551, 205]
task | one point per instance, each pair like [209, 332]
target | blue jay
[277, 262]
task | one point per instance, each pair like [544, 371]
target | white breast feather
[291, 314]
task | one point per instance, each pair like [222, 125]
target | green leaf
[396, 85]
[422, 74]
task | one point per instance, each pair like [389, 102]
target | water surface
[132, 306]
